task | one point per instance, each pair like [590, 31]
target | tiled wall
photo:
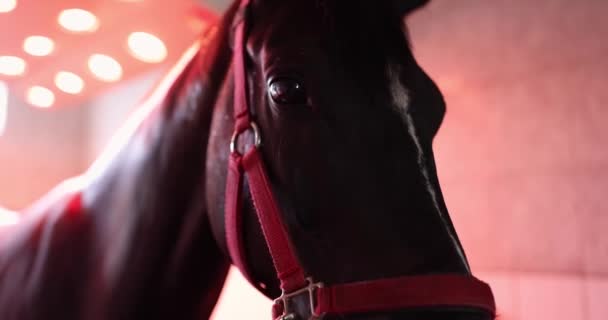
[109, 111]
[523, 152]
[525, 131]
[39, 148]
[531, 295]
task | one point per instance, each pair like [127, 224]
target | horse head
[347, 119]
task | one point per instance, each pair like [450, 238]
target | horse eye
[287, 91]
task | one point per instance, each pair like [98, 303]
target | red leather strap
[285, 262]
[423, 291]
[287, 267]
[234, 179]
[241, 105]
[233, 216]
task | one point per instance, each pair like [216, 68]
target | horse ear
[404, 7]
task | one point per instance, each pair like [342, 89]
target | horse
[294, 141]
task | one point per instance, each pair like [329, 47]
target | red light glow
[105, 68]
[12, 66]
[8, 218]
[69, 82]
[7, 5]
[3, 106]
[40, 97]
[78, 20]
[147, 47]
[38, 45]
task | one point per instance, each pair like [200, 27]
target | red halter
[447, 290]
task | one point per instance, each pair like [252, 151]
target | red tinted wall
[523, 152]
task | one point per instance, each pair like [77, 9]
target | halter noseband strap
[445, 290]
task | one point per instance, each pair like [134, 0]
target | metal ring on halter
[285, 300]
[257, 139]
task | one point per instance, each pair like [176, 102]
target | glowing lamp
[38, 45]
[147, 47]
[8, 218]
[105, 68]
[3, 108]
[69, 82]
[78, 20]
[40, 97]
[7, 5]
[11, 66]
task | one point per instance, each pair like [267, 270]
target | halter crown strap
[448, 290]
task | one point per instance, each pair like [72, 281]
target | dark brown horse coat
[141, 234]
[130, 238]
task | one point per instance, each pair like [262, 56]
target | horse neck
[134, 240]
[155, 239]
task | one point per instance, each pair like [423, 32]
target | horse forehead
[289, 23]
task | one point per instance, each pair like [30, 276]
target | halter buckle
[257, 138]
[286, 298]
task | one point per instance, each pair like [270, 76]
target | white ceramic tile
[551, 296]
[597, 298]
[503, 288]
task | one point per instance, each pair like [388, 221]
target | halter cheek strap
[422, 291]
[252, 165]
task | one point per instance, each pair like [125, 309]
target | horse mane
[163, 183]
[208, 69]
